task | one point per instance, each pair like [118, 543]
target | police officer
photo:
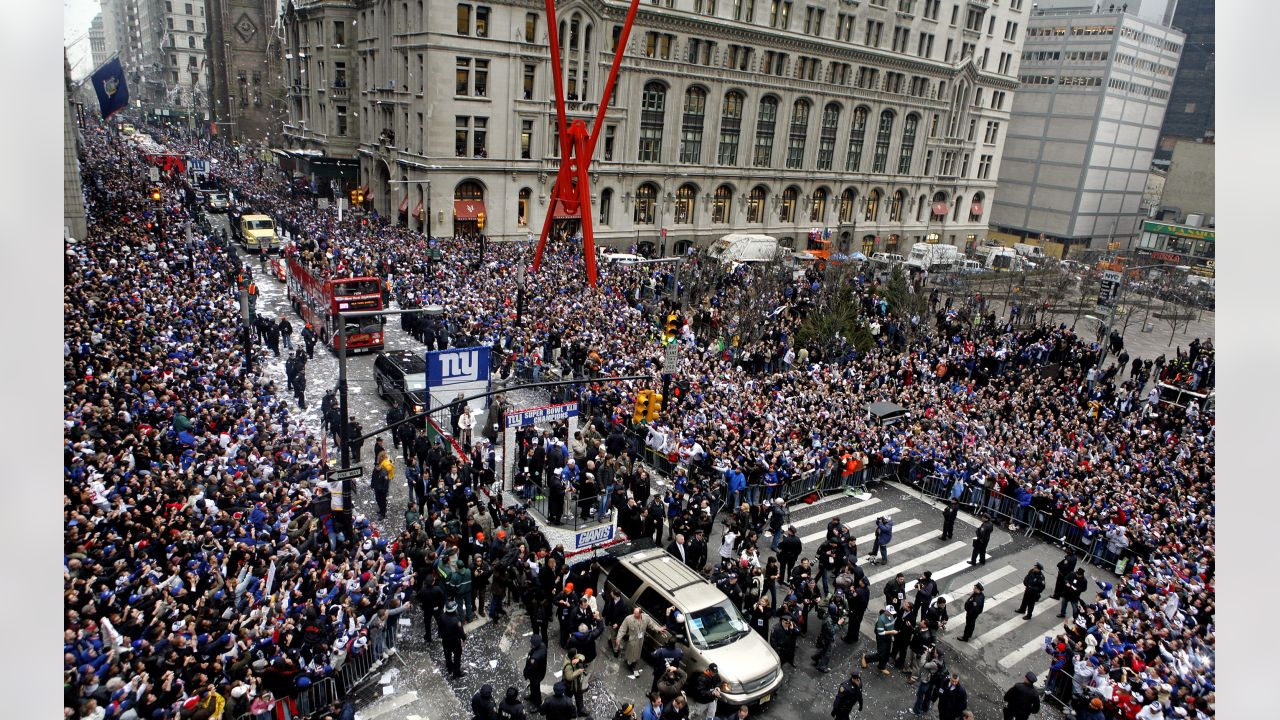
[949, 518]
[1034, 584]
[849, 694]
[309, 338]
[980, 541]
[972, 609]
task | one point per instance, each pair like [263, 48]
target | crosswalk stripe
[851, 524]
[916, 562]
[985, 580]
[866, 539]
[1016, 621]
[963, 517]
[1015, 657]
[896, 546]
[833, 513]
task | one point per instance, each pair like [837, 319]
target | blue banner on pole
[109, 84]
[457, 366]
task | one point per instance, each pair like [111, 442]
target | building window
[975, 208]
[531, 27]
[984, 167]
[480, 138]
[908, 144]
[722, 205]
[873, 206]
[610, 137]
[938, 208]
[695, 108]
[461, 135]
[847, 199]
[482, 21]
[779, 14]
[787, 210]
[796, 137]
[342, 120]
[874, 29]
[646, 199]
[606, 206]
[464, 19]
[530, 71]
[339, 33]
[895, 206]
[482, 78]
[462, 77]
[818, 211]
[658, 45]
[526, 139]
[522, 207]
[744, 10]
[755, 204]
[857, 133]
[685, 198]
[992, 133]
[827, 139]
[730, 128]
[762, 154]
[883, 137]
[653, 102]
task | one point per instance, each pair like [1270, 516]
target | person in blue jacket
[884, 533]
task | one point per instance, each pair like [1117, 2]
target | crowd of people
[169, 441]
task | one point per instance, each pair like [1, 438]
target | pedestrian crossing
[1003, 645]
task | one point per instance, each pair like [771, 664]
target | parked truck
[933, 257]
[744, 248]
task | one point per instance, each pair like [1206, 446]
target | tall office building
[99, 49]
[879, 122]
[1084, 127]
[1191, 104]
[245, 81]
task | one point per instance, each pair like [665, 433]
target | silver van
[714, 630]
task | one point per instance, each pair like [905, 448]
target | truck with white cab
[744, 248]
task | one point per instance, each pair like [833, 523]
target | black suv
[402, 379]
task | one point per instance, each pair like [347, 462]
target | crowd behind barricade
[1019, 412]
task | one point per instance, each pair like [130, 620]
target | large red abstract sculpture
[572, 191]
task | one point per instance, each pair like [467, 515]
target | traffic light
[480, 221]
[655, 406]
[642, 406]
[155, 194]
[357, 196]
[671, 330]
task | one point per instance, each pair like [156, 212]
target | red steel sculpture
[573, 188]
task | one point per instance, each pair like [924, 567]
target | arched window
[191, 41]
[938, 207]
[868, 244]
[847, 199]
[922, 208]
[796, 137]
[884, 135]
[908, 144]
[895, 206]
[873, 206]
[468, 190]
[857, 134]
[730, 128]
[975, 208]
[722, 205]
[755, 204]
[695, 109]
[685, 196]
[646, 201]
[827, 140]
[818, 211]
[522, 207]
[787, 210]
[766, 120]
[653, 105]
[606, 205]
[955, 209]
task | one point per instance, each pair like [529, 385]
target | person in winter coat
[558, 706]
[1034, 584]
[953, 699]
[452, 635]
[309, 338]
[704, 693]
[884, 640]
[949, 516]
[653, 711]
[926, 690]
[482, 706]
[859, 599]
[1066, 568]
[1022, 701]
[671, 683]
[511, 707]
[849, 694]
[574, 679]
[783, 640]
[972, 609]
[1071, 592]
[535, 668]
[884, 533]
[980, 541]
[831, 624]
[631, 639]
[677, 710]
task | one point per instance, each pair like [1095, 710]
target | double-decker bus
[319, 300]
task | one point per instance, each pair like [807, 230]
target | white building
[880, 121]
[1085, 125]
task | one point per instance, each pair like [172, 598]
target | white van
[1004, 259]
[933, 257]
[887, 259]
[1035, 252]
[968, 266]
[744, 247]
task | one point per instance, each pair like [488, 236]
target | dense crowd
[170, 424]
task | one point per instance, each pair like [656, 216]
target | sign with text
[594, 536]
[546, 414]
[1109, 290]
[458, 366]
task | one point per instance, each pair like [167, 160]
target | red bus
[319, 300]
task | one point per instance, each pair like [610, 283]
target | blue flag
[113, 93]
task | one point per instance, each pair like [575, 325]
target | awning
[467, 209]
[417, 212]
[404, 205]
[975, 209]
[940, 208]
[563, 213]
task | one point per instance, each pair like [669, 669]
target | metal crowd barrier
[1090, 547]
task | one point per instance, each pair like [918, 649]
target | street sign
[670, 358]
[155, 173]
[348, 474]
[1109, 289]
[594, 536]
